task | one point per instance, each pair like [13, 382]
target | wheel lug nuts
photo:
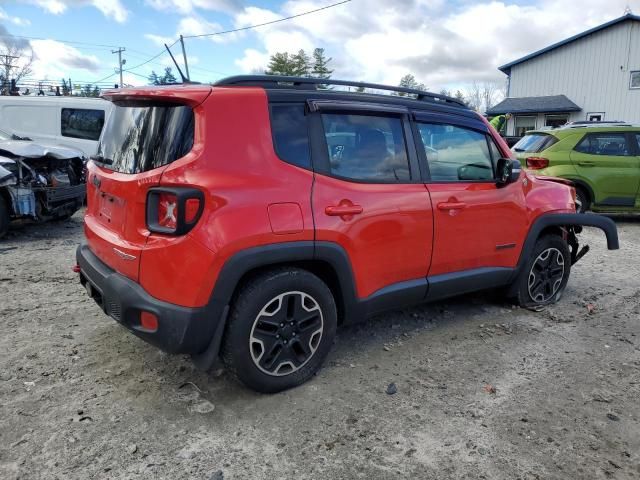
[281, 325]
[285, 342]
[294, 334]
[291, 324]
[277, 336]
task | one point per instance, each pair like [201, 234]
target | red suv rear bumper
[180, 329]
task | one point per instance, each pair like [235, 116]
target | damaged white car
[38, 182]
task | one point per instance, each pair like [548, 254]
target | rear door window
[142, 137]
[534, 143]
[610, 144]
[81, 123]
[456, 153]
[290, 134]
[366, 148]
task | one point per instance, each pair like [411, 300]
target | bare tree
[482, 96]
[16, 58]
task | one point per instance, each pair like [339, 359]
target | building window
[635, 80]
[524, 124]
[555, 121]
[595, 116]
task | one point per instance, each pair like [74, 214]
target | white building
[594, 75]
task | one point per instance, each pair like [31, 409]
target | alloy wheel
[546, 275]
[286, 333]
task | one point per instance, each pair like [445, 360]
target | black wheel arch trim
[545, 221]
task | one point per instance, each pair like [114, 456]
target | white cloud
[21, 22]
[113, 9]
[54, 59]
[159, 40]
[441, 43]
[189, 6]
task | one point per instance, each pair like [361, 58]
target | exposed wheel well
[586, 189]
[321, 269]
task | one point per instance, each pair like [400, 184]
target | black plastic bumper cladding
[180, 329]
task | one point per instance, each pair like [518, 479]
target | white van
[73, 122]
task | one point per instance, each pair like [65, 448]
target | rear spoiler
[188, 94]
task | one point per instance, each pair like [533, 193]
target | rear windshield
[534, 143]
[139, 137]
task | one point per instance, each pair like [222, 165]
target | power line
[266, 23]
[61, 41]
[152, 58]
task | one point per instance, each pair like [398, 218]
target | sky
[444, 44]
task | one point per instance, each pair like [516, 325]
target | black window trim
[273, 133]
[320, 151]
[422, 153]
[628, 136]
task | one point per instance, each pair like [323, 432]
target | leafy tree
[96, 92]
[66, 88]
[321, 64]
[445, 92]
[459, 96]
[280, 64]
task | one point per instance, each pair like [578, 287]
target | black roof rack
[277, 81]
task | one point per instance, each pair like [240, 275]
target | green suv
[603, 161]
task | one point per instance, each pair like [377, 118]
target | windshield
[142, 137]
[534, 143]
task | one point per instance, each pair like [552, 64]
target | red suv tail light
[173, 211]
[537, 163]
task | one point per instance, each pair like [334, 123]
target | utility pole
[184, 55]
[120, 61]
[8, 65]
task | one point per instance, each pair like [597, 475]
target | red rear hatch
[149, 129]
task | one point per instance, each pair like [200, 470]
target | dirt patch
[483, 390]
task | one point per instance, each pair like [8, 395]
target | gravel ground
[484, 390]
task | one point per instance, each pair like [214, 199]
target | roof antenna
[184, 79]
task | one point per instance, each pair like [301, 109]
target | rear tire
[583, 202]
[4, 217]
[545, 274]
[280, 330]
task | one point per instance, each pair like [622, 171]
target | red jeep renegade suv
[247, 220]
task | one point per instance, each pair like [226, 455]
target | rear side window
[614, 144]
[455, 153]
[81, 123]
[366, 148]
[290, 134]
[534, 143]
[140, 138]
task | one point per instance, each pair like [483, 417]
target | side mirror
[507, 171]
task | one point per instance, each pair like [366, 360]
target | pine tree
[321, 64]
[301, 64]
[409, 81]
[153, 78]
[460, 96]
[168, 77]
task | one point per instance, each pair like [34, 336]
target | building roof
[506, 68]
[552, 103]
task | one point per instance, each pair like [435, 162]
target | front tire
[546, 273]
[281, 328]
